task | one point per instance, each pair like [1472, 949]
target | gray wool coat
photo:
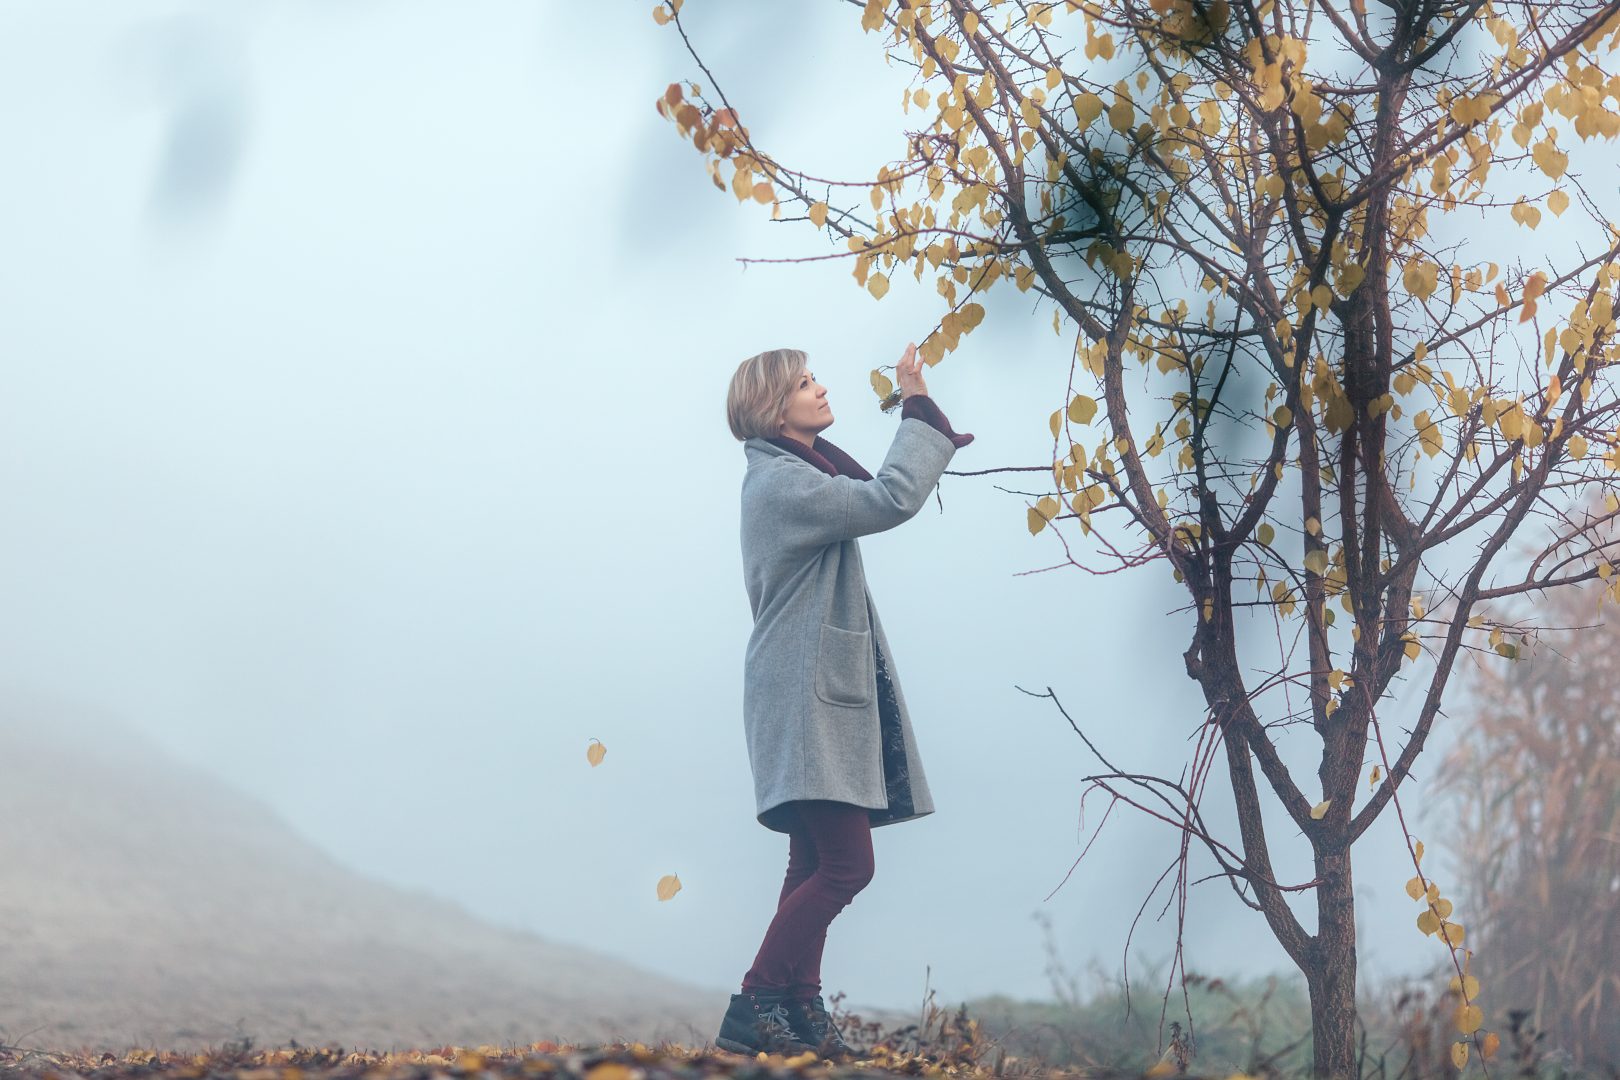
[822, 707]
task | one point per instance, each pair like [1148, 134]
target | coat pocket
[844, 666]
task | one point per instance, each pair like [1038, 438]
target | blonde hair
[759, 392]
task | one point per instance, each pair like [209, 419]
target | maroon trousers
[829, 861]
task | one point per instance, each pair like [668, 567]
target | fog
[363, 444]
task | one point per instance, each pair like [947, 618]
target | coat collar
[824, 455]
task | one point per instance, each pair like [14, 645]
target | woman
[829, 738]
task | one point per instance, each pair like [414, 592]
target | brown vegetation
[1537, 783]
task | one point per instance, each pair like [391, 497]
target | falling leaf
[668, 886]
[595, 753]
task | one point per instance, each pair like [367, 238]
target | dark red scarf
[824, 456]
[834, 462]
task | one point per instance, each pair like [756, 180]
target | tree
[1538, 789]
[1308, 394]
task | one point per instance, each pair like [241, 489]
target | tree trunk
[1330, 973]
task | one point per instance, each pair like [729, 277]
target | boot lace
[775, 1021]
[820, 1022]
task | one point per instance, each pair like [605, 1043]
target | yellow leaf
[1469, 1019]
[1535, 285]
[872, 17]
[877, 285]
[1036, 521]
[595, 753]
[1087, 107]
[1452, 934]
[1350, 275]
[668, 886]
[763, 193]
[1082, 409]
[1466, 985]
[1320, 809]
[1316, 562]
[1549, 159]
[1577, 446]
[1459, 1053]
[1372, 780]
[1420, 278]
[1414, 888]
[1089, 498]
[1123, 115]
[881, 384]
[1558, 202]
[1428, 434]
[1428, 922]
[818, 214]
[1489, 1045]
[1282, 416]
[659, 15]
[1265, 533]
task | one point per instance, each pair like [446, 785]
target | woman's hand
[909, 373]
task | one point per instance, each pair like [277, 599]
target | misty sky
[363, 442]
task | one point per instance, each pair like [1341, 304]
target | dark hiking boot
[816, 1028]
[760, 1021]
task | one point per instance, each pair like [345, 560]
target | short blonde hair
[760, 390]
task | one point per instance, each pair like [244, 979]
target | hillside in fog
[143, 902]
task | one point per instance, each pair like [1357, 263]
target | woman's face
[807, 410]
